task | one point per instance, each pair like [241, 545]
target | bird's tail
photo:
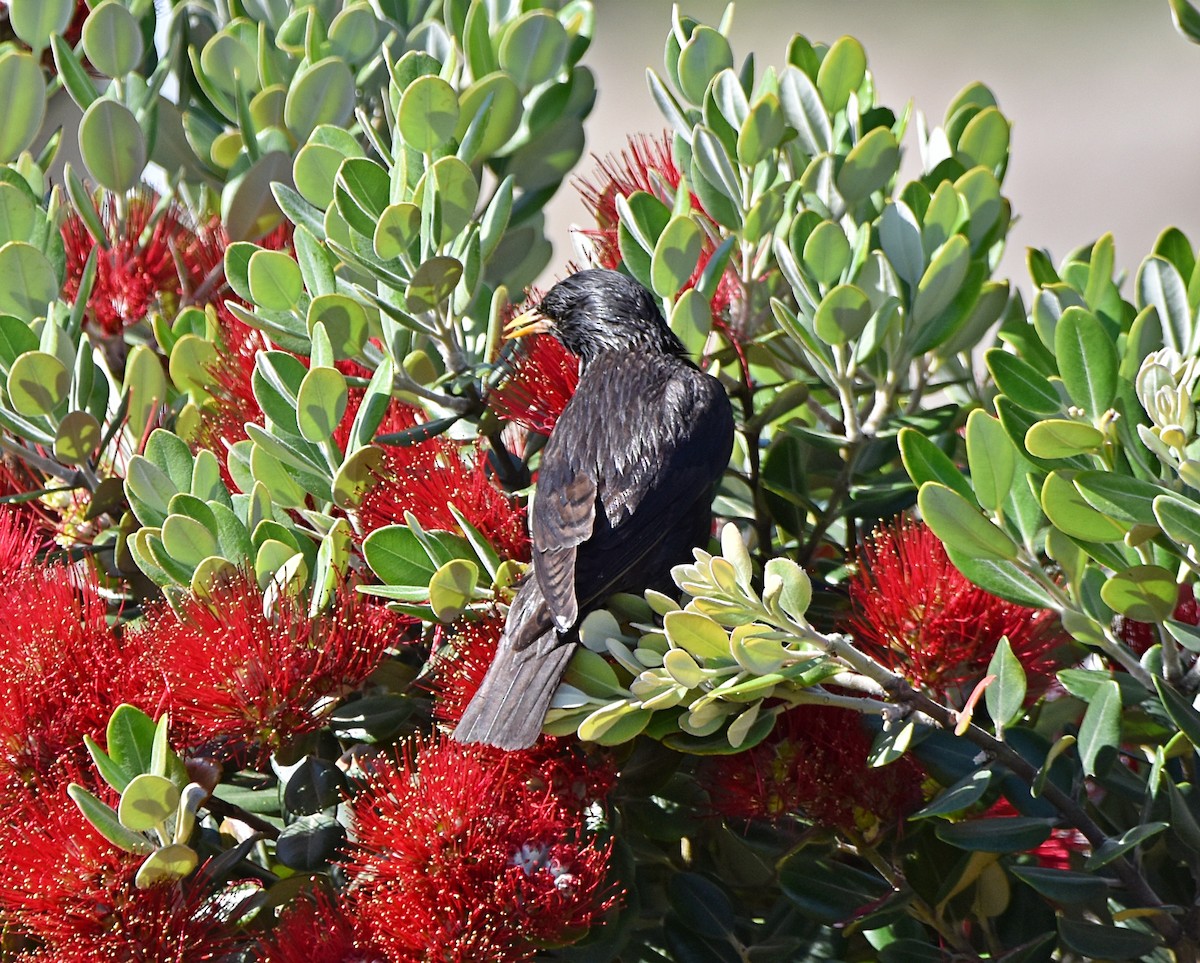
[510, 705]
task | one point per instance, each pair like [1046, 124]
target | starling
[624, 489]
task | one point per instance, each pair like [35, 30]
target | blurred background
[1106, 136]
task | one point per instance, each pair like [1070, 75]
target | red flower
[20, 538]
[814, 765]
[317, 929]
[458, 667]
[231, 389]
[255, 680]
[136, 268]
[919, 616]
[428, 477]
[64, 669]
[72, 891]
[537, 380]
[460, 857]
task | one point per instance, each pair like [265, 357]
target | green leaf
[940, 283]
[827, 252]
[104, 818]
[534, 48]
[320, 404]
[320, 93]
[37, 383]
[870, 165]
[113, 145]
[984, 141]
[761, 131]
[614, 724]
[962, 795]
[1187, 19]
[1059, 438]
[705, 55]
[1113, 848]
[841, 73]
[926, 462]
[842, 314]
[1179, 518]
[130, 739]
[1144, 593]
[452, 587]
[1120, 496]
[274, 279]
[960, 525]
[1023, 383]
[25, 101]
[432, 283]
[1071, 514]
[112, 39]
[30, 281]
[1101, 726]
[147, 802]
[1087, 360]
[676, 254]
[1063, 886]
[1094, 941]
[166, 865]
[1005, 579]
[992, 459]
[35, 21]
[802, 107]
[428, 114]
[1005, 697]
[398, 556]
[900, 238]
[1160, 285]
[345, 322]
[499, 95]
[698, 634]
[1181, 710]
[1005, 835]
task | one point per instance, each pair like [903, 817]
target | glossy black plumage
[624, 490]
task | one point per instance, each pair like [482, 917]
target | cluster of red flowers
[149, 257]
[918, 615]
[244, 677]
[466, 853]
[814, 765]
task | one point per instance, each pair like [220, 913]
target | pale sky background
[1101, 94]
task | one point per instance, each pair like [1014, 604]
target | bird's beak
[531, 322]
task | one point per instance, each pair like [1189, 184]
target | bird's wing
[564, 512]
[627, 474]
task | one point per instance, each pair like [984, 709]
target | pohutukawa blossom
[461, 857]
[814, 766]
[243, 680]
[539, 378]
[70, 890]
[19, 540]
[459, 666]
[921, 617]
[317, 929]
[63, 669]
[141, 265]
[428, 477]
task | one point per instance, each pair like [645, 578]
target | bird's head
[595, 311]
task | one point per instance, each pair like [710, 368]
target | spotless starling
[624, 489]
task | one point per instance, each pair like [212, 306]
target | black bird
[624, 489]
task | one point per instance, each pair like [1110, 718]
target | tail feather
[510, 706]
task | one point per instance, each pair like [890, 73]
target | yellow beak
[528, 323]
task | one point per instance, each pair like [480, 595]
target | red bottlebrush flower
[919, 616]
[428, 477]
[814, 764]
[19, 540]
[231, 389]
[1139, 636]
[317, 929]
[460, 858]
[254, 680]
[72, 891]
[460, 664]
[647, 164]
[538, 378]
[64, 669]
[136, 267]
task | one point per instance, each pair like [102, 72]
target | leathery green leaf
[1101, 726]
[992, 459]
[1144, 593]
[1006, 695]
[960, 524]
